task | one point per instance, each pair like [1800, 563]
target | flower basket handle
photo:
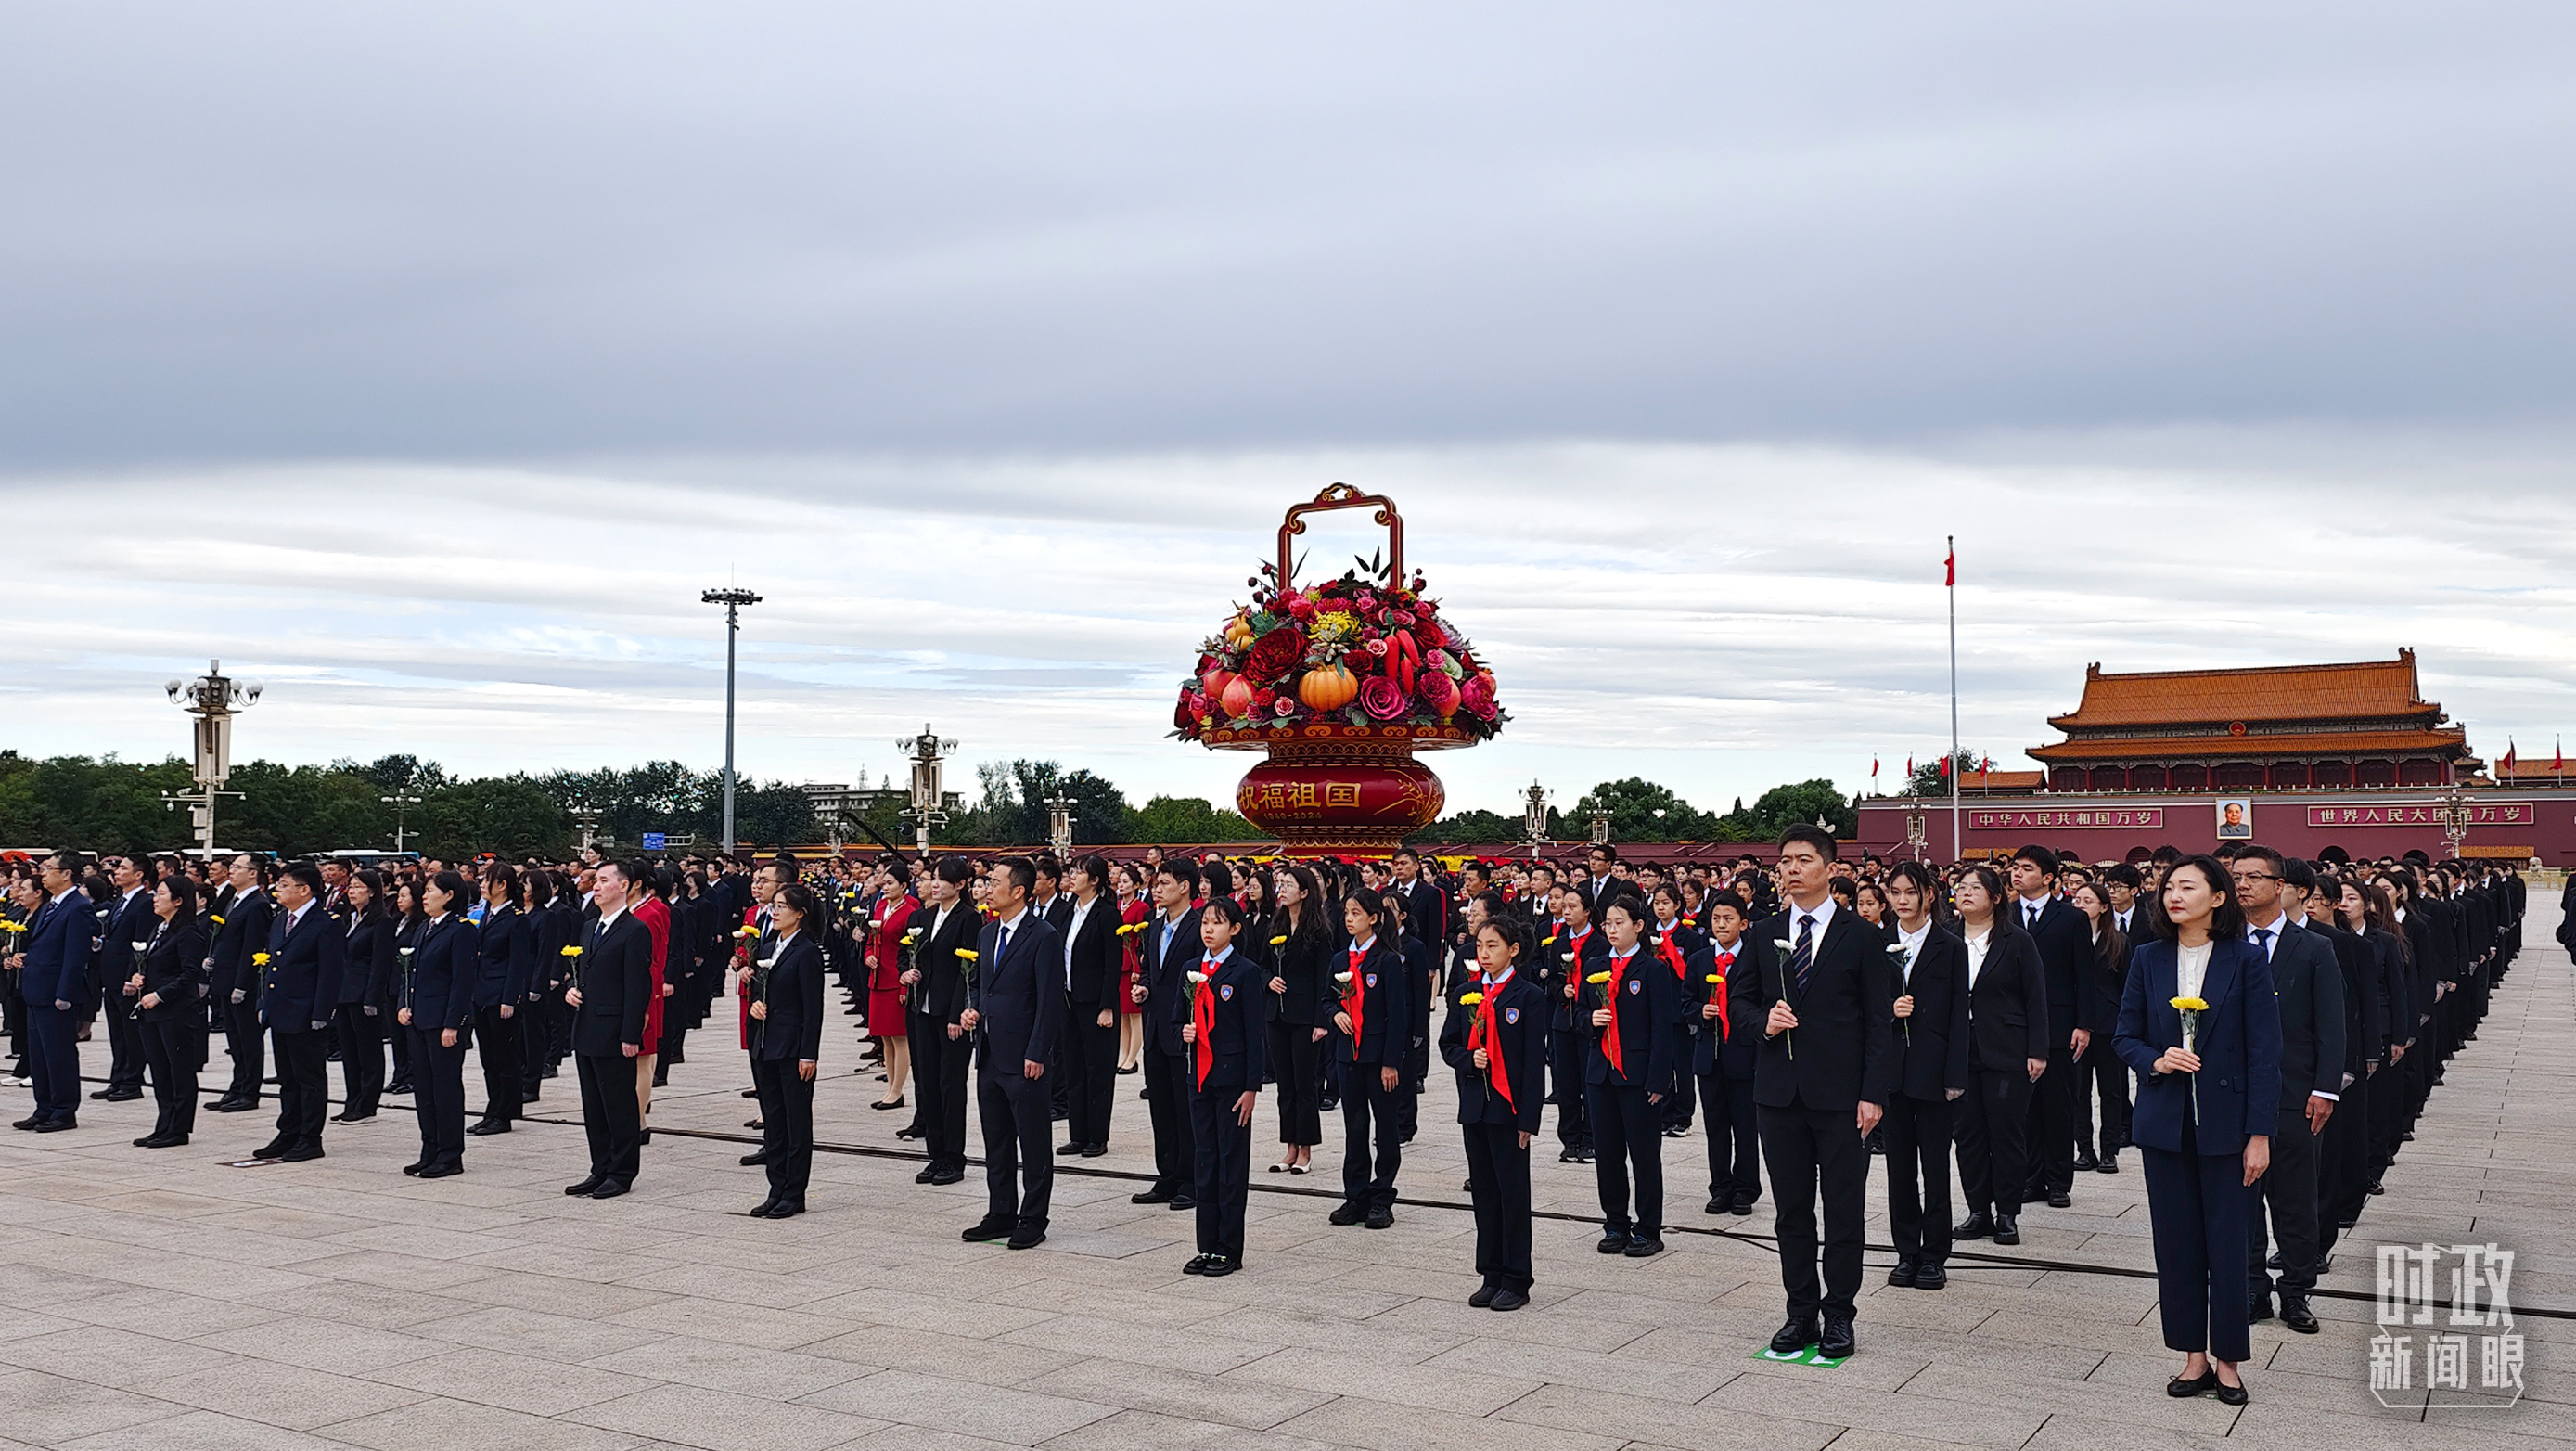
[1343, 496]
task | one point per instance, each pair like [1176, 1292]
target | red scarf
[1482, 1034]
[1357, 1003]
[1671, 952]
[1610, 1048]
[1203, 1015]
[1717, 991]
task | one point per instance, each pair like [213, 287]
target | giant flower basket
[1341, 683]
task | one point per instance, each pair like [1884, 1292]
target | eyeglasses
[2255, 877]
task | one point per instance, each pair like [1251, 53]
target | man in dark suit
[1089, 1047]
[299, 987]
[1170, 948]
[1604, 884]
[2065, 941]
[130, 921]
[1829, 992]
[241, 929]
[53, 972]
[1016, 1014]
[2308, 984]
[608, 1031]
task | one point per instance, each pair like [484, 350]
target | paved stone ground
[164, 1300]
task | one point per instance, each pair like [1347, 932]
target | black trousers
[1565, 1049]
[610, 1116]
[2196, 1203]
[1297, 1059]
[496, 1043]
[438, 1096]
[246, 1038]
[172, 1047]
[1677, 1106]
[786, 1126]
[940, 1068]
[1917, 1134]
[536, 1025]
[303, 1086]
[400, 1038]
[2101, 1074]
[1167, 1101]
[124, 1037]
[1088, 1060]
[2343, 1165]
[53, 1060]
[1812, 1151]
[1994, 1163]
[2285, 1201]
[1627, 1133]
[1372, 1134]
[2052, 1120]
[1734, 1137]
[362, 1059]
[1407, 1104]
[1019, 1163]
[1499, 1169]
[1221, 1170]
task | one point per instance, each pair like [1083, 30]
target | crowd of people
[2281, 1023]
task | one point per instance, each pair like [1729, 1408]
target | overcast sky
[428, 361]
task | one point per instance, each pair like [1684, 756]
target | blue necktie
[1803, 956]
[2263, 939]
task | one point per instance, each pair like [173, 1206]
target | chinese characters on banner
[2509, 813]
[1303, 795]
[2465, 1355]
[2144, 818]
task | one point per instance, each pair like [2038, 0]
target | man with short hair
[1015, 1012]
[2309, 986]
[614, 989]
[2075, 1017]
[1169, 947]
[240, 929]
[53, 967]
[1831, 992]
[299, 987]
[130, 921]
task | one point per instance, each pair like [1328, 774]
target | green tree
[1803, 802]
[1640, 810]
[511, 817]
[775, 815]
[1927, 779]
[1469, 827]
[1186, 820]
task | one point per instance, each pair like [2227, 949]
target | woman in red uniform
[888, 920]
[1133, 909]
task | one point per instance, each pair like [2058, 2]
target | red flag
[1989, 766]
[1945, 768]
[1950, 568]
[1873, 767]
[2557, 758]
[1909, 768]
[2508, 755]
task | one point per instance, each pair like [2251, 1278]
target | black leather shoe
[1182, 1201]
[2257, 1310]
[2230, 1395]
[585, 1186]
[1838, 1342]
[1378, 1219]
[413, 1168]
[1508, 1300]
[761, 1210]
[488, 1126]
[1483, 1297]
[608, 1188]
[1744, 1204]
[1975, 1226]
[1930, 1277]
[1067, 1149]
[1094, 1151]
[1903, 1275]
[1795, 1335]
[2110, 1163]
[2085, 1163]
[442, 1171]
[761, 1157]
[2060, 1200]
[1027, 1238]
[1219, 1266]
[1164, 1196]
[788, 1210]
[2007, 1229]
[55, 1126]
[2200, 1385]
[948, 1176]
[1196, 1266]
[2296, 1314]
[1644, 1246]
[1347, 1213]
[1717, 1206]
[985, 1230]
[28, 1123]
[1613, 1242]
[925, 1176]
[270, 1150]
[301, 1154]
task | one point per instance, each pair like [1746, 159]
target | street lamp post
[2453, 815]
[733, 600]
[1534, 819]
[401, 803]
[214, 699]
[1600, 827]
[926, 813]
[1060, 823]
[1914, 825]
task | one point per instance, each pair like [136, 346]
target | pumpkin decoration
[1328, 687]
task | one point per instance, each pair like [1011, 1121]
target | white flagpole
[1951, 567]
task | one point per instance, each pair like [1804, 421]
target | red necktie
[1483, 1035]
[1357, 1004]
[1610, 1040]
[1717, 990]
[1203, 1013]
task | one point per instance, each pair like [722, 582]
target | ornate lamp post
[402, 802]
[1060, 824]
[1914, 826]
[1534, 819]
[733, 600]
[1600, 827]
[2453, 815]
[925, 813]
[214, 699]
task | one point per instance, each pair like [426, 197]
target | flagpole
[1952, 576]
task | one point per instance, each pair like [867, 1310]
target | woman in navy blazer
[2203, 1116]
[437, 1009]
[786, 1043]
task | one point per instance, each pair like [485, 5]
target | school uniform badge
[1225, 992]
[1371, 979]
[1511, 1015]
[1635, 986]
